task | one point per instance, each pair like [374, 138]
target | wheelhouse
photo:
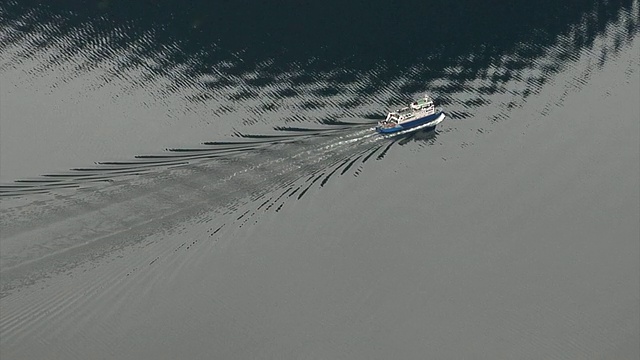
[417, 110]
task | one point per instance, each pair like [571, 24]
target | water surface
[187, 180]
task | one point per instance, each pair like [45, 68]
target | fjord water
[204, 181]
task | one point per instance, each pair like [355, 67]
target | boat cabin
[418, 112]
[424, 103]
[421, 107]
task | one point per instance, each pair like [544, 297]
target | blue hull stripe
[411, 124]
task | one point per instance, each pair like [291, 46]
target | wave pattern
[141, 58]
[57, 228]
[320, 128]
[341, 101]
[142, 164]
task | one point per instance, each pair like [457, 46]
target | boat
[420, 114]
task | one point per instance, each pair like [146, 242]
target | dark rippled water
[107, 81]
[134, 133]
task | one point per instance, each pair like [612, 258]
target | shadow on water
[232, 56]
[234, 52]
[335, 137]
[319, 99]
[427, 136]
[250, 144]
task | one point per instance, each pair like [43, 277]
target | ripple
[225, 90]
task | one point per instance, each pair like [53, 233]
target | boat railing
[392, 116]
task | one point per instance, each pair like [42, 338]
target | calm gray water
[175, 185]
